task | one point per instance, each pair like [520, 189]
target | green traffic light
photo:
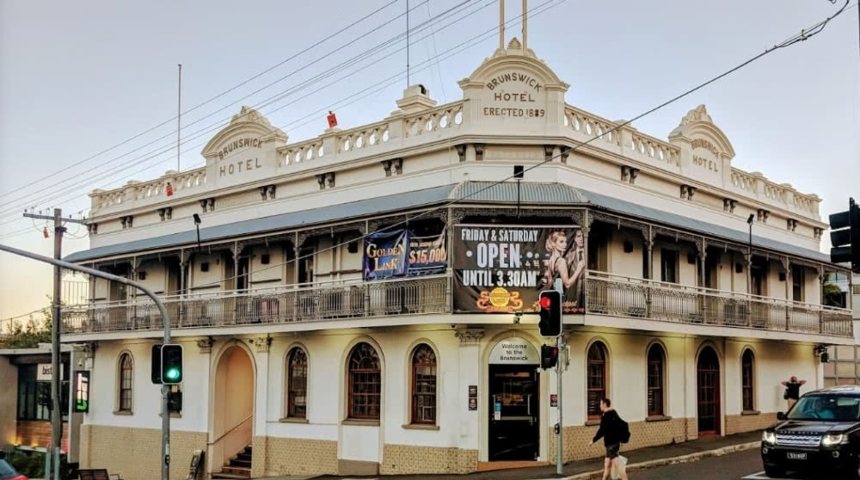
[172, 374]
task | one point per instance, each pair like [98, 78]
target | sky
[88, 90]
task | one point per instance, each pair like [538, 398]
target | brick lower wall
[38, 433]
[748, 423]
[408, 459]
[642, 434]
[134, 452]
[298, 456]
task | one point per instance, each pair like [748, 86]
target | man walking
[612, 430]
[792, 390]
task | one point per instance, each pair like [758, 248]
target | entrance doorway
[708, 391]
[232, 410]
[514, 412]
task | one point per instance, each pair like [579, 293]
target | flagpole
[178, 117]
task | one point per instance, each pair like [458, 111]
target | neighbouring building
[25, 415]
[364, 302]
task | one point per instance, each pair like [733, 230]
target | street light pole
[750, 221]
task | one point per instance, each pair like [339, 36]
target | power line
[802, 36]
[378, 48]
[244, 82]
[153, 154]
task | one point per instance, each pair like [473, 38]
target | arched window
[747, 384]
[365, 382]
[423, 385]
[597, 360]
[656, 368]
[297, 383]
[126, 376]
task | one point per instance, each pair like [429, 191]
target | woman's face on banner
[579, 239]
[561, 242]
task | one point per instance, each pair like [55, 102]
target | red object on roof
[169, 189]
[332, 119]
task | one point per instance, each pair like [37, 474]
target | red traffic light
[545, 302]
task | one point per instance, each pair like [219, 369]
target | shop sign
[399, 253]
[473, 397]
[502, 269]
[514, 351]
[44, 372]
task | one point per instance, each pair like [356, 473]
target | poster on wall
[398, 253]
[427, 255]
[502, 269]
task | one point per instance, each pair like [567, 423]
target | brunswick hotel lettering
[517, 98]
[240, 165]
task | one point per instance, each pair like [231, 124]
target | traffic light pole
[559, 342]
[165, 416]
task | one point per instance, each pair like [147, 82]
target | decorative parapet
[784, 195]
[136, 193]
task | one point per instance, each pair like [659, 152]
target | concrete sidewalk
[592, 468]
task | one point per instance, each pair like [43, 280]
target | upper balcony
[609, 299]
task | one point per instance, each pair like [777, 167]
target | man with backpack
[614, 432]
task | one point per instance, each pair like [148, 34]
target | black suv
[821, 431]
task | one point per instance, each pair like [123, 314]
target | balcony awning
[530, 193]
[284, 221]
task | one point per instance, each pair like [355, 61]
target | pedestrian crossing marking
[760, 476]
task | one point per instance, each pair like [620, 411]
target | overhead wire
[169, 147]
[219, 95]
[804, 35]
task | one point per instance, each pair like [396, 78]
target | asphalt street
[745, 465]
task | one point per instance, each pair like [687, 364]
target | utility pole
[56, 415]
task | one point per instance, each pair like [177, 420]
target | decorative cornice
[261, 344]
[469, 335]
[204, 345]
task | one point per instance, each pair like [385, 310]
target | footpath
[589, 469]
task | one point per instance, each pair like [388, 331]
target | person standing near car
[613, 431]
[792, 390]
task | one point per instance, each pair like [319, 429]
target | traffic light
[845, 236]
[171, 364]
[548, 356]
[174, 401]
[155, 374]
[550, 313]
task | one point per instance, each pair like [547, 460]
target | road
[744, 465]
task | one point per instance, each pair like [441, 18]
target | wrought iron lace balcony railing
[282, 304]
[630, 297]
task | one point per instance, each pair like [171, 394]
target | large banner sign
[398, 254]
[501, 269]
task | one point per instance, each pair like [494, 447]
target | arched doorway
[708, 391]
[232, 422]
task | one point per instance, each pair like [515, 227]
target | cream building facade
[305, 339]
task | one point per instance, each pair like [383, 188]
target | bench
[97, 474]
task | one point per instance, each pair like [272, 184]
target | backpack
[625, 430]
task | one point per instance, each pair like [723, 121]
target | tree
[833, 296]
[30, 334]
